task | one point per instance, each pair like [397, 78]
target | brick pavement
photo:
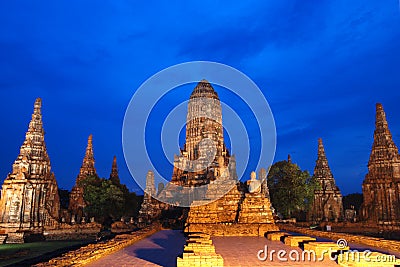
[242, 251]
[162, 249]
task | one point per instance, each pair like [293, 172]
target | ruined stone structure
[327, 204]
[29, 197]
[150, 209]
[204, 156]
[243, 211]
[228, 207]
[381, 186]
[205, 174]
[114, 176]
[76, 201]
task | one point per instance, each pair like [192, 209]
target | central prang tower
[204, 157]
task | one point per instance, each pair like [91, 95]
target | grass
[11, 254]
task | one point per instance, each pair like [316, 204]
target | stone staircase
[3, 239]
[15, 238]
[200, 251]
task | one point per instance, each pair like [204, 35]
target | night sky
[322, 66]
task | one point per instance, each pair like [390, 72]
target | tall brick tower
[204, 156]
[29, 196]
[114, 176]
[327, 204]
[381, 186]
[76, 201]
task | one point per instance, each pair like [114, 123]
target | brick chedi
[76, 201]
[227, 207]
[29, 197]
[204, 156]
[114, 176]
[381, 186]
[150, 208]
[327, 204]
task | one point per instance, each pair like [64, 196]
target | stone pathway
[160, 249]
[242, 251]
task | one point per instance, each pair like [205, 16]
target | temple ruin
[327, 204]
[244, 211]
[381, 186]
[114, 176]
[204, 156]
[219, 203]
[29, 198]
[150, 209]
[76, 201]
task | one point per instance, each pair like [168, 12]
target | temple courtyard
[163, 248]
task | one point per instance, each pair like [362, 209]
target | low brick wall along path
[92, 252]
[387, 246]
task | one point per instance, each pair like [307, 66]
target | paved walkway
[162, 249]
[242, 251]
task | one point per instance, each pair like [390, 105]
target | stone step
[276, 236]
[199, 251]
[200, 241]
[15, 238]
[201, 260]
[294, 241]
[3, 239]
[324, 249]
[198, 248]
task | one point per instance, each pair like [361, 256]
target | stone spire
[381, 186]
[34, 146]
[322, 172]
[384, 151]
[204, 89]
[87, 168]
[30, 193]
[114, 176]
[150, 209]
[205, 156]
[289, 158]
[76, 200]
[327, 203]
[150, 185]
[204, 120]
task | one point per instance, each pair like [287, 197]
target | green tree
[103, 199]
[107, 199]
[131, 201]
[291, 189]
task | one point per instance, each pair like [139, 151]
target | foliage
[106, 199]
[291, 189]
[353, 201]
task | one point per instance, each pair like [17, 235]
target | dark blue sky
[322, 65]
